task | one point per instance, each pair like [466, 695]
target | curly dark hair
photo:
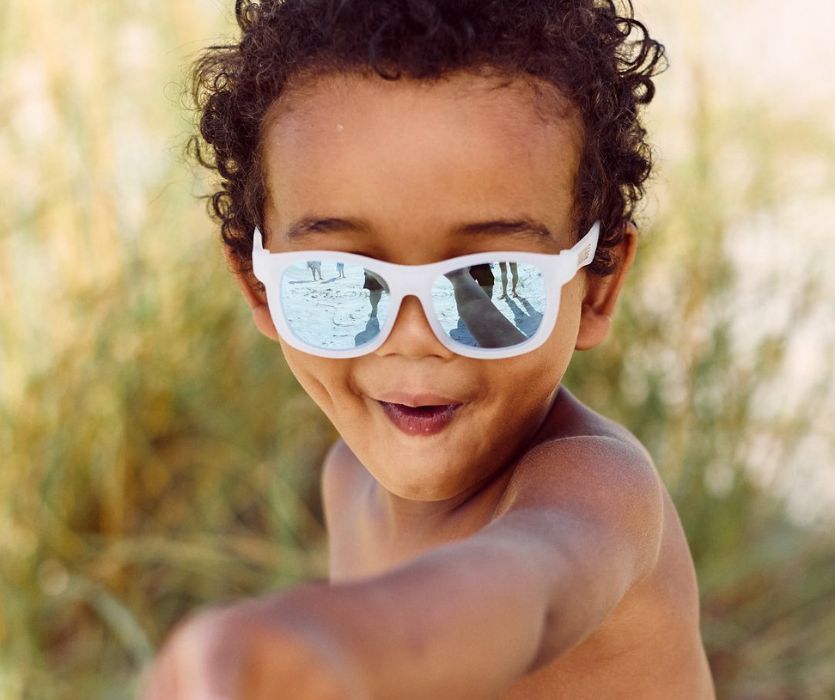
[601, 59]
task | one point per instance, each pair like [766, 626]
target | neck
[403, 520]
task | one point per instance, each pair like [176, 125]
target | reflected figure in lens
[375, 290]
[528, 319]
[315, 266]
[483, 274]
[485, 322]
[514, 271]
[340, 270]
[372, 328]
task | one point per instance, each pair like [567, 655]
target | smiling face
[416, 172]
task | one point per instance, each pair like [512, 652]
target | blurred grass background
[156, 455]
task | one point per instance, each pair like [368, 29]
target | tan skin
[529, 550]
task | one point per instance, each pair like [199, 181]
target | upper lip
[416, 399]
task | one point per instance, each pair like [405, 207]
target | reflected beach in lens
[494, 305]
[335, 305]
[332, 305]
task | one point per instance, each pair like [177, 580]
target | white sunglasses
[341, 305]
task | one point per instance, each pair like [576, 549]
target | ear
[254, 297]
[602, 293]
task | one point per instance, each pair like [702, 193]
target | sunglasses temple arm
[583, 252]
[259, 256]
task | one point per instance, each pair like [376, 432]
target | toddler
[490, 535]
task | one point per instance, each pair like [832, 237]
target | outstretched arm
[582, 524]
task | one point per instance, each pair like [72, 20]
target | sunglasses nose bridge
[412, 280]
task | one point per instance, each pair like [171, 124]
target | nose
[412, 335]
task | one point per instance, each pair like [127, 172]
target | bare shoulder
[610, 499]
[585, 450]
[342, 475]
[340, 463]
[600, 477]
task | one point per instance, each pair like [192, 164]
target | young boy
[490, 536]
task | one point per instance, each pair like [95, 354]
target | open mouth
[420, 420]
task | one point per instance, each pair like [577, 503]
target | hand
[260, 649]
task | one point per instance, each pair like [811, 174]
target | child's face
[415, 162]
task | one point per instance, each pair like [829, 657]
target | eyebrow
[524, 226]
[308, 225]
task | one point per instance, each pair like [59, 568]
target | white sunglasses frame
[416, 280]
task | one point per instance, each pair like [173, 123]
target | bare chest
[649, 647]
[362, 542]
[654, 659]
[358, 549]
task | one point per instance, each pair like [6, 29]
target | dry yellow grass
[156, 455]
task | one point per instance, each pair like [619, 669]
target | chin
[419, 479]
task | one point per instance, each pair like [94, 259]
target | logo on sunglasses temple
[585, 254]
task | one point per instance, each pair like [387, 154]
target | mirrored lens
[333, 305]
[495, 305]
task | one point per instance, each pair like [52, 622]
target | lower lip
[420, 421]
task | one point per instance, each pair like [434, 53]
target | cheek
[542, 370]
[567, 327]
[539, 373]
[323, 379]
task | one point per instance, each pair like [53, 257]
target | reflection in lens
[474, 310]
[333, 305]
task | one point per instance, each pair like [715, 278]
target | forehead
[417, 154]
